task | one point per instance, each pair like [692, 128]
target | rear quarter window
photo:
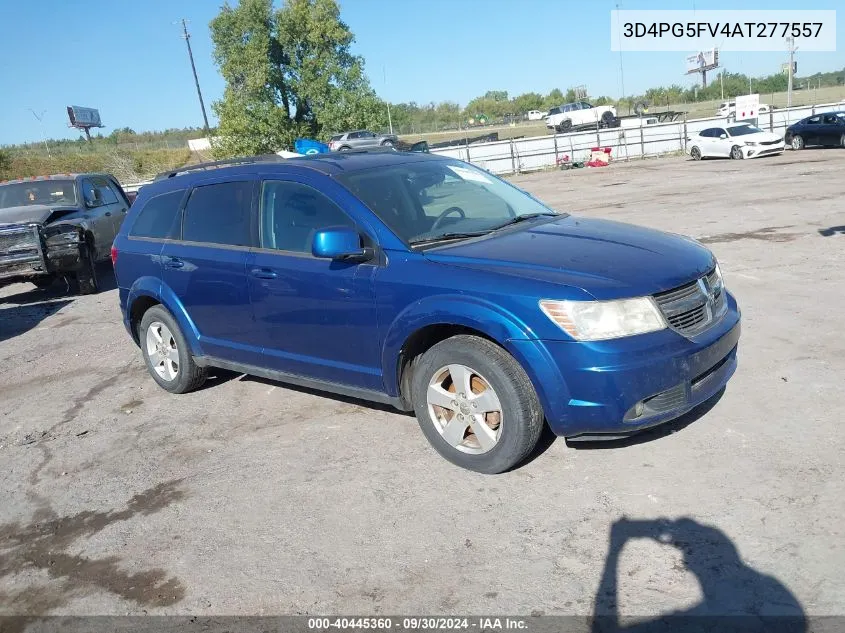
[159, 217]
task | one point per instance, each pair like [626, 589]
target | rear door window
[813, 120]
[160, 217]
[220, 214]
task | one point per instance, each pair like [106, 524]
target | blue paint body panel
[347, 321]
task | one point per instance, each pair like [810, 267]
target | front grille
[770, 142]
[18, 241]
[693, 307]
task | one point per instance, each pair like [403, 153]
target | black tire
[736, 153]
[565, 125]
[190, 376]
[345, 148]
[695, 153]
[522, 420]
[42, 283]
[798, 142]
[607, 119]
[387, 143]
[86, 276]
[842, 141]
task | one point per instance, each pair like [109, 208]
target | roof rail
[243, 160]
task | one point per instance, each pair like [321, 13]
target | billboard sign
[83, 117]
[784, 68]
[747, 107]
[703, 60]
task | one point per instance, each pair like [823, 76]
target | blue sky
[127, 59]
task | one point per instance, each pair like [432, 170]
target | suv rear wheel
[476, 405]
[166, 353]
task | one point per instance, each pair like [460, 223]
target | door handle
[263, 273]
[173, 262]
[123, 210]
[108, 213]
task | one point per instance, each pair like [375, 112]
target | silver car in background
[360, 139]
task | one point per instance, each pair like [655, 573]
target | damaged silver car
[59, 226]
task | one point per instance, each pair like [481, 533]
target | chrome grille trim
[19, 239]
[694, 307]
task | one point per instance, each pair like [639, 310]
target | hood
[25, 214]
[33, 213]
[759, 137]
[606, 259]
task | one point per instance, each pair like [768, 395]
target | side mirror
[339, 243]
[723, 136]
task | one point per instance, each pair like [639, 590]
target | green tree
[288, 73]
[527, 101]
[554, 98]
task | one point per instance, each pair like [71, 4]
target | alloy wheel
[162, 351]
[464, 408]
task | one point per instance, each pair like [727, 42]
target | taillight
[113, 255]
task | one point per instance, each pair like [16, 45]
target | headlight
[720, 281]
[751, 143]
[601, 320]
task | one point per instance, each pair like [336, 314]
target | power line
[187, 37]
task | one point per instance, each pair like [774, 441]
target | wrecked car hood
[37, 213]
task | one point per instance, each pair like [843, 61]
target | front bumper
[29, 252]
[593, 389]
[756, 151]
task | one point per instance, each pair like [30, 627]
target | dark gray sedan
[361, 139]
[819, 129]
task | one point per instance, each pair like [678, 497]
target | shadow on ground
[25, 310]
[736, 597]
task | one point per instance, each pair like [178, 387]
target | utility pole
[621, 67]
[187, 37]
[40, 118]
[790, 41]
[722, 82]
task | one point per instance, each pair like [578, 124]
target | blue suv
[428, 284]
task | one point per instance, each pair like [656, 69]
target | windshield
[742, 130]
[426, 200]
[47, 192]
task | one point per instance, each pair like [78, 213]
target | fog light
[638, 409]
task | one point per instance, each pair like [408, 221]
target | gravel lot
[248, 497]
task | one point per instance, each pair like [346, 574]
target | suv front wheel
[476, 405]
[166, 353]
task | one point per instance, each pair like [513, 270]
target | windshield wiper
[445, 237]
[523, 218]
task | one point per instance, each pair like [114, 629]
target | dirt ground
[248, 497]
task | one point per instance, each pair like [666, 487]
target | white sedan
[735, 141]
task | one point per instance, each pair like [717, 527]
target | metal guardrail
[541, 152]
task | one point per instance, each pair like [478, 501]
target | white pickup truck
[574, 115]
